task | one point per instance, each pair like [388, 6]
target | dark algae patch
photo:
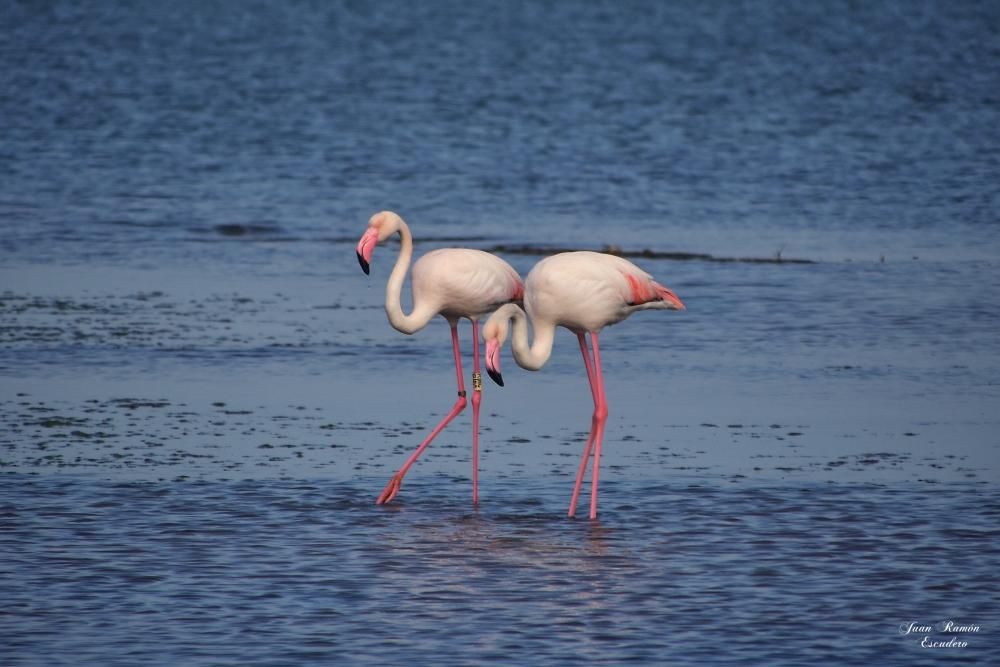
[646, 253]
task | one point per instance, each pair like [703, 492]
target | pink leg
[590, 438]
[392, 488]
[596, 425]
[477, 397]
[601, 414]
[587, 362]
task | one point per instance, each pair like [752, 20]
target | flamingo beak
[493, 361]
[366, 246]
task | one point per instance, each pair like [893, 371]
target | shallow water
[201, 397]
[675, 572]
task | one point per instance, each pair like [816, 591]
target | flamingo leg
[581, 337]
[588, 363]
[601, 414]
[596, 425]
[477, 397]
[392, 488]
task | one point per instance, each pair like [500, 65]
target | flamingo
[453, 283]
[583, 292]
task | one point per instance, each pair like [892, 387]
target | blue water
[287, 572]
[201, 397]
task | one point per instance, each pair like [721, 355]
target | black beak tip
[495, 376]
[364, 265]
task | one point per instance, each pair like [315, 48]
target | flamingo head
[495, 333]
[380, 227]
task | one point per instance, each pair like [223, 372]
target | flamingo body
[587, 291]
[462, 282]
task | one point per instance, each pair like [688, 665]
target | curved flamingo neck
[420, 315]
[531, 356]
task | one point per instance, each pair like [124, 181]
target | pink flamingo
[584, 292]
[454, 283]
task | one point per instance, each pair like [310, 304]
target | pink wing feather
[646, 290]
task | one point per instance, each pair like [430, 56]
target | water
[289, 572]
[201, 396]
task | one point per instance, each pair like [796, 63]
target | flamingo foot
[390, 490]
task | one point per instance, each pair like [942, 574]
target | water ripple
[254, 572]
